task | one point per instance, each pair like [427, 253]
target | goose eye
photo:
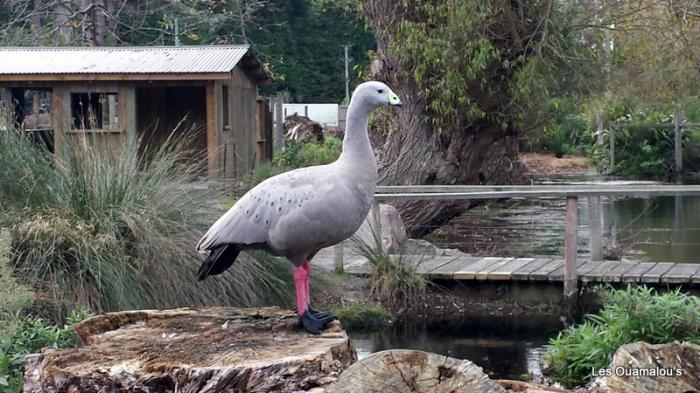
[380, 91]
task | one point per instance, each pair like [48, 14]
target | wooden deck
[545, 269]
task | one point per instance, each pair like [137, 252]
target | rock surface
[393, 231]
[407, 371]
[184, 350]
[644, 368]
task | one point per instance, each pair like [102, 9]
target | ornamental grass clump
[112, 228]
[393, 280]
[636, 313]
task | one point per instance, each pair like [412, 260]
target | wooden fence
[678, 126]
[571, 193]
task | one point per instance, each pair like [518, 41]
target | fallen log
[185, 350]
[406, 371]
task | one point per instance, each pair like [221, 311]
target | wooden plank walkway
[545, 269]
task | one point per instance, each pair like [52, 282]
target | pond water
[659, 229]
[505, 347]
[654, 229]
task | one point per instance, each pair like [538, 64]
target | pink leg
[307, 268]
[301, 282]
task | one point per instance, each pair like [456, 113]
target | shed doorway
[162, 110]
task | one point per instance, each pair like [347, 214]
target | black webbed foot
[312, 324]
[321, 314]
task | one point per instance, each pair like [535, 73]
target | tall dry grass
[393, 279]
[110, 229]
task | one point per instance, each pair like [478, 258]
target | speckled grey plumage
[297, 213]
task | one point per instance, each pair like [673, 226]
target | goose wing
[250, 220]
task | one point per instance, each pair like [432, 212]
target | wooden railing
[571, 193]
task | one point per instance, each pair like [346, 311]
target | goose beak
[394, 99]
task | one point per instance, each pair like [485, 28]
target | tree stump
[185, 350]
[407, 371]
[645, 368]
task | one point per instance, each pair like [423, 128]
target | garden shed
[111, 94]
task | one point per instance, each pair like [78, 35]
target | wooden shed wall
[64, 133]
[241, 138]
[232, 150]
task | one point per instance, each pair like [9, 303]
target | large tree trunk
[209, 350]
[99, 22]
[413, 153]
[62, 12]
[36, 23]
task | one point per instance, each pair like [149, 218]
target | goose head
[375, 95]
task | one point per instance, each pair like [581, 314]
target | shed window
[95, 111]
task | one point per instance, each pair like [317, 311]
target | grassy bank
[634, 314]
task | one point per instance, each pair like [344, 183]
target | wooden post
[338, 257]
[127, 111]
[212, 103]
[5, 106]
[269, 148]
[261, 142]
[595, 228]
[278, 127]
[678, 140]
[59, 113]
[570, 241]
[612, 149]
[342, 116]
[377, 224]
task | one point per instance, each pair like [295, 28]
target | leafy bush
[21, 336]
[646, 151]
[108, 231]
[364, 317]
[636, 313]
[566, 133]
[309, 152]
[265, 171]
[298, 155]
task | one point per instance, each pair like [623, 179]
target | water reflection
[505, 347]
[660, 229]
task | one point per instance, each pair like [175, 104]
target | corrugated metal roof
[120, 60]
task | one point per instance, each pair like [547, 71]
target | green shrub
[21, 336]
[636, 313]
[107, 231]
[566, 132]
[568, 136]
[265, 171]
[309, 152]
[298, 155]
[642, 150]
[364, 317]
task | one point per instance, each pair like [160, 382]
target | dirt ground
[548, 164]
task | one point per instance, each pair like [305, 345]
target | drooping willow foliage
[493, 61]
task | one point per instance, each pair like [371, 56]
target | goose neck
[356, 143]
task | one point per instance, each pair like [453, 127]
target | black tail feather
[220, 258]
